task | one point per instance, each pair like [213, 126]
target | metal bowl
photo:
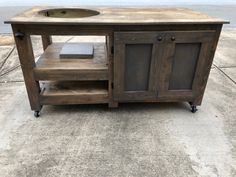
[69, 13]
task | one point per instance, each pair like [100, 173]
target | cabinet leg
[36, 114]
[46, 40]
[26, 56]
[193, 107]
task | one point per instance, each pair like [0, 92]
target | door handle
[173, 38]
[159, 38]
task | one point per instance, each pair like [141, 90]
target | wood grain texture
[204, 67]
[77, 92]
[46, 40]
[26, 56]
[119, 16]
[184, 66]
[51, 67]
[110, 56]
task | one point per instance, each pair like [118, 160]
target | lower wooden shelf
[73, 92]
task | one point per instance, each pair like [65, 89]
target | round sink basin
[69, 13]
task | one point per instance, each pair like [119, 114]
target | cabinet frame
[162, 59]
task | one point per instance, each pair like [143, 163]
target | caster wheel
[36, 114]
[193, 108]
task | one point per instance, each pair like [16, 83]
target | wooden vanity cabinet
[150, 55]
[162, 66]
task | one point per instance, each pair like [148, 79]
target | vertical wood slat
[164, 67]
[46, 40]
[26, 56]
[110, 58]
[206, 67]
[153, 75]
[119, 55]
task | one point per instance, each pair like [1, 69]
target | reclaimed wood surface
[51, 67]
[76, 92]
[26, 56]
[119, 16]
[46, 41]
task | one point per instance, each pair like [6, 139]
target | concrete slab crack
[10, 70]
[219, 68]
[1, 82]
[8, 55]
[223, 67]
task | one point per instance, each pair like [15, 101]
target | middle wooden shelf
[51, 67]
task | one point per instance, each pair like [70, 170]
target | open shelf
[74, 92]
[51, 67]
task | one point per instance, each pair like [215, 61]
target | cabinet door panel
[134, 66]
[184, 63]
[137, 66]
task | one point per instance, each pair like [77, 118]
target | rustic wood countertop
[119, 16]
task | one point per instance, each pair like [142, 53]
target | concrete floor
[135, 140]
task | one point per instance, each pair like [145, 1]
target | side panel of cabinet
[135, 66]
[183, 61]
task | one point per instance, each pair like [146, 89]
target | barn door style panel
[183, 61]
[135, 66]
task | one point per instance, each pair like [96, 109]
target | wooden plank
[51, 67]
[74, 92]
[166, 54]
[204, 67]
[70, 75]
[120, 16]
[46, 40]
[26, 57]
[119, 62]
[110, 56]
[140, 37]
[50, 29]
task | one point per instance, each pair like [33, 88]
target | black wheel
[36, 114]
[193, 108]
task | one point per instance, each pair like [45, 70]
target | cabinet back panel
[137, 66]
[184, 66]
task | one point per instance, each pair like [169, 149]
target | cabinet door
[183, 64]
[135, 65]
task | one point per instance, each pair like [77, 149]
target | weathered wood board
[119, 16]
